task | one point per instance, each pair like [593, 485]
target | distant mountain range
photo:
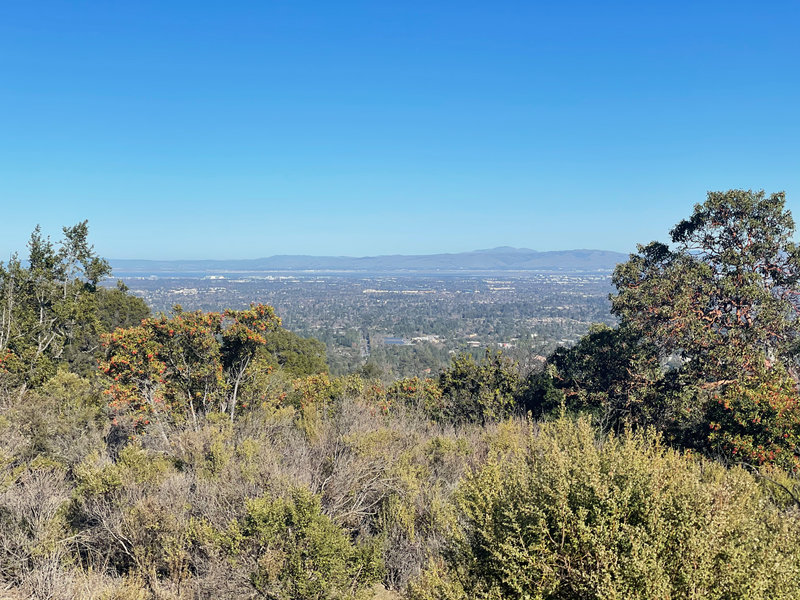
[503, 258]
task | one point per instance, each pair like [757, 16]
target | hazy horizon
[305, 254]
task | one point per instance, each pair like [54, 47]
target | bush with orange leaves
[179, 366]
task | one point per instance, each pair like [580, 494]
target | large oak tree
[724, 297]
[722, 302]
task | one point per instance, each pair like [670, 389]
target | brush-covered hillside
[195, 455]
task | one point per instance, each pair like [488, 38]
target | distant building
[434, 339]
[394, 341]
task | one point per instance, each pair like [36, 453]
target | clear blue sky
[246, 129]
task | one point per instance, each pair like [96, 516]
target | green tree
[116, 307]
[720, 309]
[297, 355]
[724, 299]
[184, 364]
[611, 373]
[49, 314]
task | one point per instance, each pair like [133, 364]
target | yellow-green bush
[576, 516]
[302, 554]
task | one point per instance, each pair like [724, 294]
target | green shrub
[480, 392]
[302, 554]
[574, 516]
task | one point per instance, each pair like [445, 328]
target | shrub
[302, 554]
[758, 421]
[573, 516]
[424, 394]
[480, 392]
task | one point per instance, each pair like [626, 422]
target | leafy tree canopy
[52, 310]
[184, 364]
[707, 339]
[297, 355]
[480, 391]
[724, 298]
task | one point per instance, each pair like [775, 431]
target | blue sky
[246, 129]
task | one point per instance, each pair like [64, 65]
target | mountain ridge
[501, 258]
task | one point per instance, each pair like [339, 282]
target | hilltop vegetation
[212, 455]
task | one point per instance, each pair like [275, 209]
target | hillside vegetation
[197, 455]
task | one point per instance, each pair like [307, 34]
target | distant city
[407, 324]
[407, 315]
